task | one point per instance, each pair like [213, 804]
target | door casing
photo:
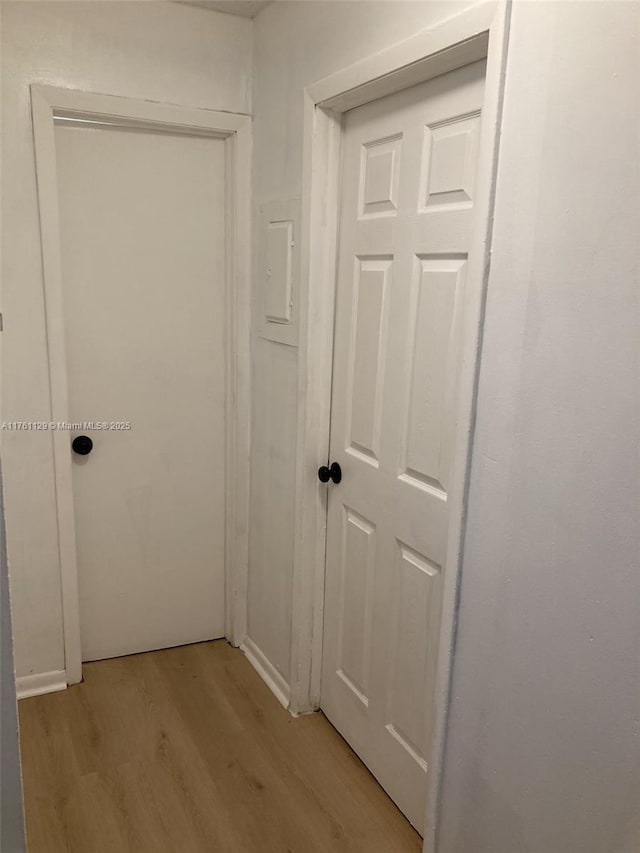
[478, 33]
[49, 103]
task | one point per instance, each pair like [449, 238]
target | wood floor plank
[187, 751]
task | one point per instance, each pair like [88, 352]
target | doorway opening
[451, 144]
[144, 219]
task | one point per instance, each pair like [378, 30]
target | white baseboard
[41, 682]
[267, 671]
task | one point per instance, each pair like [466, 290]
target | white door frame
[478, 33]
[49, 103]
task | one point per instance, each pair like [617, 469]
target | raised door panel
[431, 364]
[448, 173]
[380, 177]
[356, 595]
[415, 614]
[368, 344]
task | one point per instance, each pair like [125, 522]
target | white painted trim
[274, 680]
[44, 143]
[322, 135]
[453, 43]
[48, 103]
[479, 32]
[238, 383]
[42, 682]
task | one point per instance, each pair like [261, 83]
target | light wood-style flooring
[186, 750]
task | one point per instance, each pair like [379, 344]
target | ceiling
[244, 8]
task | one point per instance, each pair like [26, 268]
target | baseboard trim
[274, 680]
[41, 682]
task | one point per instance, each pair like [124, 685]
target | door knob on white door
[82, 445]
[334, 473]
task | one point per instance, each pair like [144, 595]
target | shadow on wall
[12, 833]
[486, 808]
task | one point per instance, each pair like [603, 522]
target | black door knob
[334, 473]
[82, 445]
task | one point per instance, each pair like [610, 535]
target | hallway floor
[186, 750]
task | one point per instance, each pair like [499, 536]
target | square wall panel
[277, 290]
[279, 271]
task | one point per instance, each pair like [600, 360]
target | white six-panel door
[407, 198]
[143, 240]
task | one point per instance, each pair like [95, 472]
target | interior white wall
[157, 51]
[295, 44]
[544, 741]
[543, 735]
